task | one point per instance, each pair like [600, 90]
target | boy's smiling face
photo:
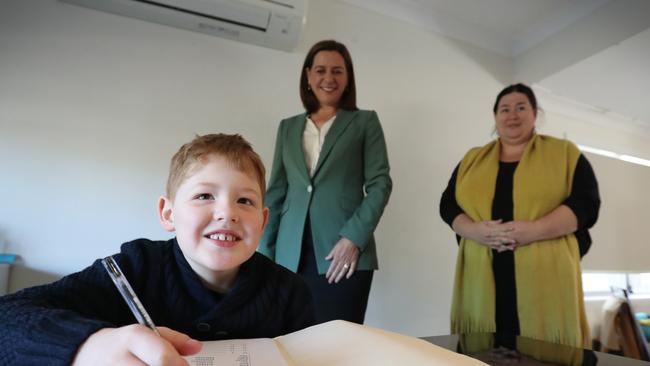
[218, 215]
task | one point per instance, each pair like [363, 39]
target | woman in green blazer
[328, 188]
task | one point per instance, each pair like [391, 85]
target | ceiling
[590, 54]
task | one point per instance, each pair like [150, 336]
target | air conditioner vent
[270, 23]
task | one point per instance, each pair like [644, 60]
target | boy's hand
[136, 345]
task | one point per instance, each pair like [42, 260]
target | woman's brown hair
[348, 98]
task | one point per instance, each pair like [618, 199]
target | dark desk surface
[499, 350]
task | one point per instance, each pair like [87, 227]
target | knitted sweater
[45, 325]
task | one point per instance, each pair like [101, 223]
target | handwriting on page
[229, 354]
[238, 352]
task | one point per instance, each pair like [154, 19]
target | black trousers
[346, 300]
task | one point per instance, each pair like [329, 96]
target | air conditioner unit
[270, 23]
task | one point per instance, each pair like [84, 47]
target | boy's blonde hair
[234, 148]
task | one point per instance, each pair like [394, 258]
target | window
[640, 283]
[600, 285]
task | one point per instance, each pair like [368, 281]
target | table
[495, 349]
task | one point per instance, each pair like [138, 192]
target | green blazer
[345, 197]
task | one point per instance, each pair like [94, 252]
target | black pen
[127, 293]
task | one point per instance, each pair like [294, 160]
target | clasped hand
[503, 236]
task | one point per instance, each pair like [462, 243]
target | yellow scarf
[550, 301]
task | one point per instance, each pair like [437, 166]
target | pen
[127, 293]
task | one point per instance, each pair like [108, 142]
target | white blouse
[312, 142]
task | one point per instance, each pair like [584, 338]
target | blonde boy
[207, 283]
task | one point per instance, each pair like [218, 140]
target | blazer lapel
[343, 119]
[295, 148]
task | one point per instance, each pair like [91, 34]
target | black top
[46, 324]
[584, 201]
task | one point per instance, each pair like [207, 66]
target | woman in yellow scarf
[520, 207]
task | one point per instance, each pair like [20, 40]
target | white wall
[93, 105]
[621, 235]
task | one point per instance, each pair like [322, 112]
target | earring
[308, 87]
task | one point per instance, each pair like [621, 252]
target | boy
[208, 283]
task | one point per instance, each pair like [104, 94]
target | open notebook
[333, 343]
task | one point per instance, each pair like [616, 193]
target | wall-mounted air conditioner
[270, 23]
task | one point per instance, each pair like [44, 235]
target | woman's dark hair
[348, 98]
[517, 88]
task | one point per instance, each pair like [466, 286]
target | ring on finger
[346, 266]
